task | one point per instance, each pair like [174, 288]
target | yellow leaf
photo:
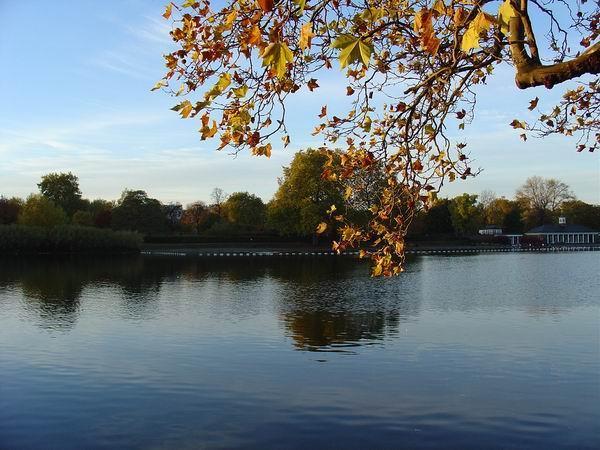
[439, 6]
[160, 84]
[321, 228]
[277, 55]
[353, 49]
[186, 109]
[241, 91]
[208, 132]
[348, 192]
[505, 13]
[230, 19]
[482, 22]
[366, 125]
[377, 270]
[306, 35]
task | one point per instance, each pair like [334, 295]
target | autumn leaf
[255, 36]
[321, 228]
[439, 7]
[263, 150]
[230, 19]
[208, 132]
[518, 124]
[352, 49]
[366, 125]
[505, 13]
[301, 5]
[306, 35]
[312, 84]
[168, 11]
[323, 111]
[423, 24]
[417, 166]
[481, 23]
[184, 109]
[277, 55]
[533, 104]
[377, 270]
[266, 5]
[241, 91]
[160, 84]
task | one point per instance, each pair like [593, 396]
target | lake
[479, 351]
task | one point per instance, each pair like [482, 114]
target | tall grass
[66, 239]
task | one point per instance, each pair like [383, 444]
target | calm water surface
[484, 351]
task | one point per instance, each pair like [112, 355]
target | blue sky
[75, 96]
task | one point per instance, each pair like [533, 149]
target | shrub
[65, 239]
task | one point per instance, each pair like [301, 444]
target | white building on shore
[563, 233]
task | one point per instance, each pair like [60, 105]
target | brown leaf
[266, 5]
[518, 124]
[533, 104]
[312, 84]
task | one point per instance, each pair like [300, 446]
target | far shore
[300, 249]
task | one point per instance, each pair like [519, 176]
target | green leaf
[353, 49]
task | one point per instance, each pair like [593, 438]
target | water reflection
[214, 353]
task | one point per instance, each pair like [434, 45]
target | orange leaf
[266, 5]
[321, 228]
[255, 37]
[167, 12]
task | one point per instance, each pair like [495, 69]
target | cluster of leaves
[411, 66]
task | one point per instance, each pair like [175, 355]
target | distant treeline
[298, 206]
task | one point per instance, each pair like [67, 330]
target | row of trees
[304, 198]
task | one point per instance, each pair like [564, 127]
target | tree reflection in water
[324, 303]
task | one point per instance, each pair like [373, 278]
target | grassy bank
[22, 239]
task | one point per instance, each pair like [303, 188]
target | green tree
[504, 213]
[83, 218]
[304, 195]
[9, 210]
[245, 210]
[136, 211]
[466, 214]
[581, 213]
[438, 219]
[40, 211]
[63, 190]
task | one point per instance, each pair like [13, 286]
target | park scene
[300, 224]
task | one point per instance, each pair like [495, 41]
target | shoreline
[224, 250]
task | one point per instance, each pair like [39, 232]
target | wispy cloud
[143, 47]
